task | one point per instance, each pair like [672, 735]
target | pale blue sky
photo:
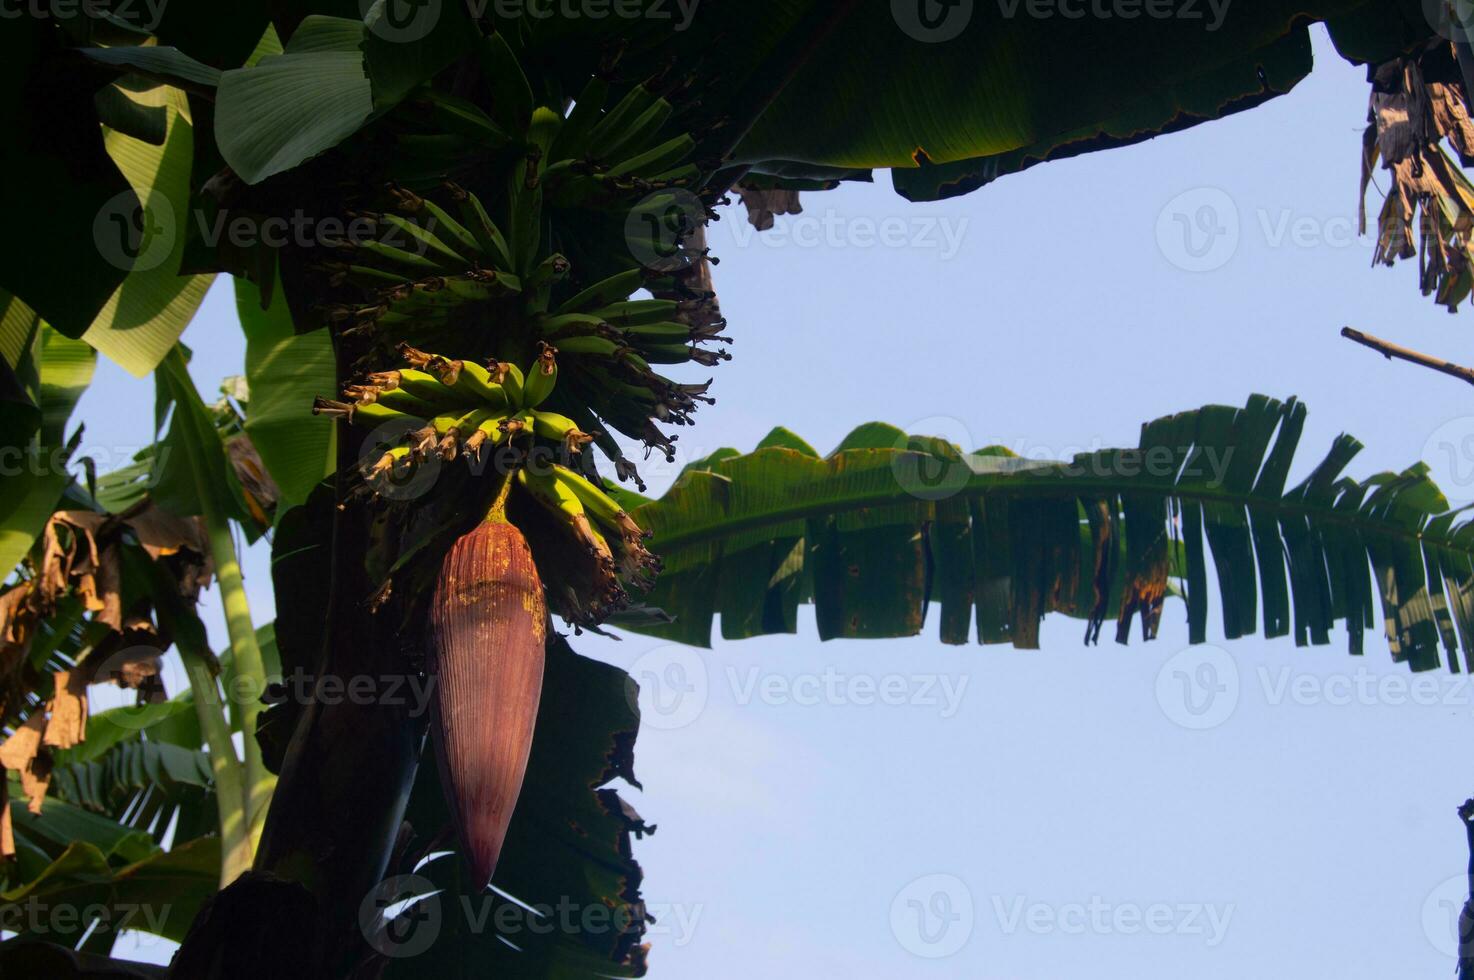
[1302, 835]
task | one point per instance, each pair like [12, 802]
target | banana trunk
[488, 625]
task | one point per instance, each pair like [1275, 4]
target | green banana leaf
[888, 523]
[285, 371]
[568, 846]
[192, 474]
[150, 309]
[992, 87]
[158, 893]
[143, 785]
[61, 370]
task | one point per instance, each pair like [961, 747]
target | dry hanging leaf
[763, 204]
[21, 753]
[68, 724]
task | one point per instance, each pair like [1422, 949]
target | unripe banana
[416, 265]
[509, 376]
[465, 242]
[474, 217]
[618, 119]
[572, 139]
[542, 376]
[465, 118]
[589, 345]
[539, 285]
[657, 160]
[475, 381]
[639, 132]
[435, 249]
[559, 428]
[369, 414]
[617, 287]
[638, 311]
[511, 96]
[561, 501]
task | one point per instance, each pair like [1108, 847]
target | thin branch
[1390, 350]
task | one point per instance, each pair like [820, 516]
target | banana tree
[469, 243]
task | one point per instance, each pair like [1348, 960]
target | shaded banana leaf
[285, 370]
[568, 846]
[61, 369]
[888, 523]
[58, 177]
[990, 88]
[40, 959]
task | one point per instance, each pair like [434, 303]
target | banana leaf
[889, 523]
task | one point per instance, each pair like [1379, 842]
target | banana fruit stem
[235, 844]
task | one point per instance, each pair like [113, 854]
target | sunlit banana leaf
[568, 846]
[889, 522]
[158, 892]
[150, 309]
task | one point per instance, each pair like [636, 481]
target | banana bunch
[444, 409]
[609, 178]
[455, 408]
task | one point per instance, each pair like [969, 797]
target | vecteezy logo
[932, 21]
[400, 21]
[932, 917]
[659, 225]
[400, 917]
[936, 472]
[400, 480]
[672, 687]
[1451, 19]
[1442, 913]
[135, 233]
[1198, 230]
[1449, 453]
[1199, 687]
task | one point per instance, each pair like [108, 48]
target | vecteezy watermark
[1449, 453]
[936, 470]
[1451, 19]
[404, 915]
[836, 688]
[659, 226]
[832, 230]
[1198, 230]
[1442, 916]
[932, 916]
[675, 687]
[1099, 917]
[932, 21]
[680, 12]
[1201, 687]
[1211, 12]
[672, 688]
[137, 234]
[146, 15]
[38, 917]
[1201, 230]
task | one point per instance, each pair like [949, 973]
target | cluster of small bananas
[434, 277]
[449, 409]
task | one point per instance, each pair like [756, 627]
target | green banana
[618, 120]
[637, 312]
[511, 95]
[369, 413]
[559, 428]
[639, 132]
[417, 264]
[464, 118]
[589, 345]
[572, 139]
[616, 288]
[493, 243]
[446, 256]
[509, 376]
[542, 377]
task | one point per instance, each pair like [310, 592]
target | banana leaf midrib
[1009, 485]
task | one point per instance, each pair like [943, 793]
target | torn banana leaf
[889, 523]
